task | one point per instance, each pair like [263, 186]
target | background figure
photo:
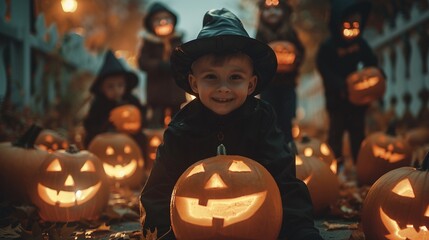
[112, 88]
[275, 29]
[338, 56]
[159, 39]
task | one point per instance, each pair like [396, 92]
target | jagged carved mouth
[120, 171]
[67, 198]
[230, 210]
[397, 233]
[387, 154]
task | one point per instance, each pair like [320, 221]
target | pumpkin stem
[28, 139]
[425, 164]
[221, 150]
[72, 149]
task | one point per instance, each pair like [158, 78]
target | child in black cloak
[274, 25]
[112, 88]
[339, 56]
[225, 68]
[159, 38]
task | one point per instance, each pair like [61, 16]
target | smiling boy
[225, 68]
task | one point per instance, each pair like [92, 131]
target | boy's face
[113, 87]
[224, 85]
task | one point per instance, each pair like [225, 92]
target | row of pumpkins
[69, 185]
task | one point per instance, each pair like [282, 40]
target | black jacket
[194, 134]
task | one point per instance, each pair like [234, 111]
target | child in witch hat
[225, 68]
[112, 88]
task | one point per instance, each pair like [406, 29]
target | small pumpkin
[379, 153]
[322, 183]
[50, 140]
[397, 205]
[121, 157]
[71, 185]
[286, 55]
[155, 137]
[126, 118]
[226, 197]
[314, 147]
[366, 85]
[19, 163]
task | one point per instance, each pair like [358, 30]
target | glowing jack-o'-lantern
[50, 140]
[270, 3]
[226, 197]
[19, 162]
[322, 183]
[397, 205]
[312, 147]
[121, 156]
[71, 185]
[155, 137]
[379, 153]
[126, 118]
[366, 85]
[351, 28]
[163, 23]
[286, 54]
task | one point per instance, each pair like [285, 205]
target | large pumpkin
[314, 147]
[286, 55]
[121, 156]
[50, 140]
[379, 153]
[71, 185]
[397, 205]
[226, 197]
[19, 163]
[322, 183]
[126, 118]
[366, 85]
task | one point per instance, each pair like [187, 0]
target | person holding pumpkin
[111, 89]
[159, 38]
[276, 29]
[339, 56]
[225, 69]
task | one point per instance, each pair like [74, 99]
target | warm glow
[333, 166]
[351, 30]
[49, 138]
[308, 152]
[126, 114]
[427, 212]
[197, 169]
[396, 233]
[69, 5]
[127, 149]
[295, 131]
[308, 179]
[298, 161]
[66, 198]
[387, 155]
[54, 166]
[324, 149]
[239, 166]
[271, 2]
[69, 181]
[215, 181]
[110, 151]
[231, 210]
[164, 29]
[155, 141]
[366, 83]
[119, 171]
[88, 167]
[404, 189]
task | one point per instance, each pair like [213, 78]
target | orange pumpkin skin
[262, 221]
[397, 205]
[322, 183]
[365, 86]
[380, 153]
[50, 140]
[126, 118]
[286, 55]
[312, 147]
[19, 163]
[71, 185]
[121, 157]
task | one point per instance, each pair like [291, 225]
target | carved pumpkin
[121, 157]
[163, 23]
[322, 183]
[71, 185]
[155, 137]
[226, 197]
[379, 153]
[397, 205]
[312, 147]
[126, 118]
[19, 163]
[50, 140]
[351, 28]
[286, 54]
[366, 85]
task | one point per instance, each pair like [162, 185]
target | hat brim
[263, 57]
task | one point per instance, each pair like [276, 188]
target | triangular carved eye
[110, 151]
[324, 149]
[54, 166]
[298, 161]
[404, 189]
[239, 166]
[427, 212]
[88, 167]
[197, 169]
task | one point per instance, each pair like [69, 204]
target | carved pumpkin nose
[120, 159]
[215, 181]
[69, 181]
